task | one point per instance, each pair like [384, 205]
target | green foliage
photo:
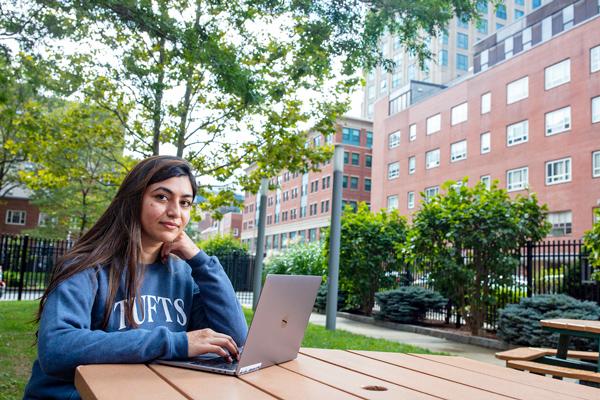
[321, 301]
[519, 323]
[298, 259]
[408, 304]
[468, 238]
[591, 241]
[223, 246]
[368, 254]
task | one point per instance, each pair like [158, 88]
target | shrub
[408, 304]
[321, 302]
[223, 246]
[299, 259]
[519, 323]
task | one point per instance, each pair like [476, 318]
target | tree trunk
[158, 96]
[83, 224]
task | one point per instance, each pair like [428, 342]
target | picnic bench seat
[555, 371]
[531, 353]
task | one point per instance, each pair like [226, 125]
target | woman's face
[166, 209]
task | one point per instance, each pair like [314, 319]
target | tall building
[529, 118]
[452, 52]
[300, 206]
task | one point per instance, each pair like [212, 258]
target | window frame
[11, 213]
[595, 59]
[556, 179]
[551, 69]
[460, 156]
[525, 135]
[483, 150]
[596, 160]
[566, 126]
[427, 163]
[488, 103]
[435, 125]
[394, 139]
[595, 104]
[410, 200]
[522, 185]
[395, 175]
[522, 95]
[395, 197]
[459, 114]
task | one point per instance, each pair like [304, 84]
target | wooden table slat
[350, 381]
[401, 376]
[572, 324]
[199, 385]
[567, 388]
[114, 381]
[465, 377]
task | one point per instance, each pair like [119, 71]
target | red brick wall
[31, 219]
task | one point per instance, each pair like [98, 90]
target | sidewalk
[429, 342]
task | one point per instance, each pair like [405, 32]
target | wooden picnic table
[331, 374]
[567, 328]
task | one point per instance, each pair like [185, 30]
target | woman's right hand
[205, 341]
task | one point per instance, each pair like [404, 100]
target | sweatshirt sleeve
[215, 304]
[66, 339]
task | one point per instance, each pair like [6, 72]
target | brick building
[17, 212]
[529, 117]
[230, 224]
[300, 207]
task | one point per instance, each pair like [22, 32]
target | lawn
[17, 351]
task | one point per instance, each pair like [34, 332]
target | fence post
[529, 268]
[25, 244]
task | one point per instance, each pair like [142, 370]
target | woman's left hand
[183, 247]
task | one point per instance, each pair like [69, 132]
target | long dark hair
[115, 239]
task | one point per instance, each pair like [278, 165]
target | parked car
[2, 283]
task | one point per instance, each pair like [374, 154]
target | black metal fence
[27, 264]
[549, 267]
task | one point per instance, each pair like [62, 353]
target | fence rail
[27, 263]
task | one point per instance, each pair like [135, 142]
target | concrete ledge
[440, 333]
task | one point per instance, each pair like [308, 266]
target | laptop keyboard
[216, 363]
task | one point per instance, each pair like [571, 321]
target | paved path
[428, 342]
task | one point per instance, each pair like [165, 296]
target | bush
[519, 323]
[321, 302]
[299, 259]
[408, 304]
[223, 246]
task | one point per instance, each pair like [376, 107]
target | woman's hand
[208, 341]
[183, 247]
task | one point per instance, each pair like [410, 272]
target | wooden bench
[532, 353]
[555, 371]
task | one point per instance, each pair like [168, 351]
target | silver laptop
[277, 328]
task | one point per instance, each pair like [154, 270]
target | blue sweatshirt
[177, 297]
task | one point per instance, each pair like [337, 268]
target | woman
[135, 288]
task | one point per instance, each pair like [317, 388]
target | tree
[231, 83]
[223, 245]
[469, 239]
[368, 254]
[75, 164]
[591, 241]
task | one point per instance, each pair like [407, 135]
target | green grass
[17, 352]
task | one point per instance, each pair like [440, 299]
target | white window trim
[594, 67]
[489, 180]
[521, 96]
[437, 119]
[564, 178]
[568, 224]
[432, 165]
[596, 168]
[488, 104]
[459, 114]
[564, 127]
[410, 200]
[522, 186]
[597, 115]
[523, 138]
[412, 168]
[548, 71]
[485, 150]
[8, 221]
[394, 140]
[395, 174]
[460, 156]
[434, 189]
[412, 132]
[395, 197]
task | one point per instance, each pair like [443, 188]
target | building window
[568, 14]
[486, 144]
[526, 38]
[346, 157]
[486, 103]
[392, 203]
[517, 179]
[557, 74]
[517, 90]
[393, 170]
[434, 124]
[508, 47]
[351, 136]
[383, 85]
[558, 121]
[558, 171]
[546, 28]
[487, 181]
[394, 139]
[412, 165]
[462, 62]
[367, 185]
[443, 58]
[15, 217]
[411, 200]
[499, 26]
[501, 11]
[517, 133]
[596, 164]
[412, 132]
[482, 7]
[355, 159]
[345, 181]
[561, 223]
[536, 3]
[369, 139]
[459, 113]
[595, 109]
[595, 59]
[431, 191]
[354, 182]
[482, 26]
[519, 14]
[368, 161]
[458, 151]
[462, 41]
[432, 159]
